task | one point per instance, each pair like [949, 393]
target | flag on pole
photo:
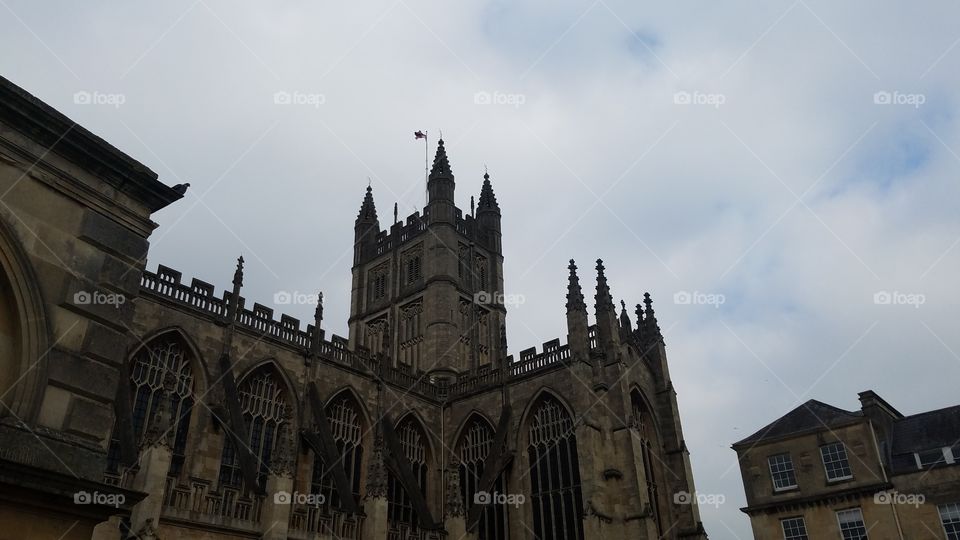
[419, 135]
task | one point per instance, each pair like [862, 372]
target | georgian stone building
[136, 402]
[823, 472]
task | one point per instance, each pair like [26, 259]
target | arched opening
[644, 425]
[10, 346]
[347, 426]
[23, 332]
[263, 403]
[165, 356]
[555, 494]
[473, 447]
[413, 443]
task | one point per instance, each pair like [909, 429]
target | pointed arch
[466, 421]
[556, 499]
[544, 392]
[349, 391]
[201, 373]
[282, 377]
[414, 443]
[472, 447]
[164, 364]
[349, 424]
[414, 416]
[645, 427]
[24, 330]
[266, 401]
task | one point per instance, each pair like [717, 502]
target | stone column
[376, 525]
[280, 498]
[455, 519]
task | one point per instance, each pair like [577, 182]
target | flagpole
[426, 161]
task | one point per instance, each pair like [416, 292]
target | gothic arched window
[344, 418]
[643, 423]
[413, 443]
[263, 404]
[149, 367]
[472, 451]
[554, 473]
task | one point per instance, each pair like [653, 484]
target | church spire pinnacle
[441, 165]
[574, 292]
[368, 210]
[488, 201]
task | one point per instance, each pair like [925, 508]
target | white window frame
[773, 474]
[803, 524]
[950, 515]
[846, 460]
[856, 510]
[948, 458]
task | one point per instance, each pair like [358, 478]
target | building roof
[927, 430]
[810, 416]
[51, 129]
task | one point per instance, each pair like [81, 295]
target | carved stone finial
[574, 292]
[604, 302]
[454, 505]
[238, 274]
[318, 313]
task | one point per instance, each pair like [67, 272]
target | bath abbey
[137, 403]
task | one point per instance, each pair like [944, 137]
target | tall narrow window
[554, 473]
[645, 427]
[414, 271]
[149, 367]
[344, 418]
[263, 404]
[400, 510]
[473, 449]
[851, 524]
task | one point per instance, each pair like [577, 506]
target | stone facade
[216, 418]
[818, 470]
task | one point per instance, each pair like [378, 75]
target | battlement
[166, 284]
[401, 233]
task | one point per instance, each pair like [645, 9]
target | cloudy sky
[790, 167]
